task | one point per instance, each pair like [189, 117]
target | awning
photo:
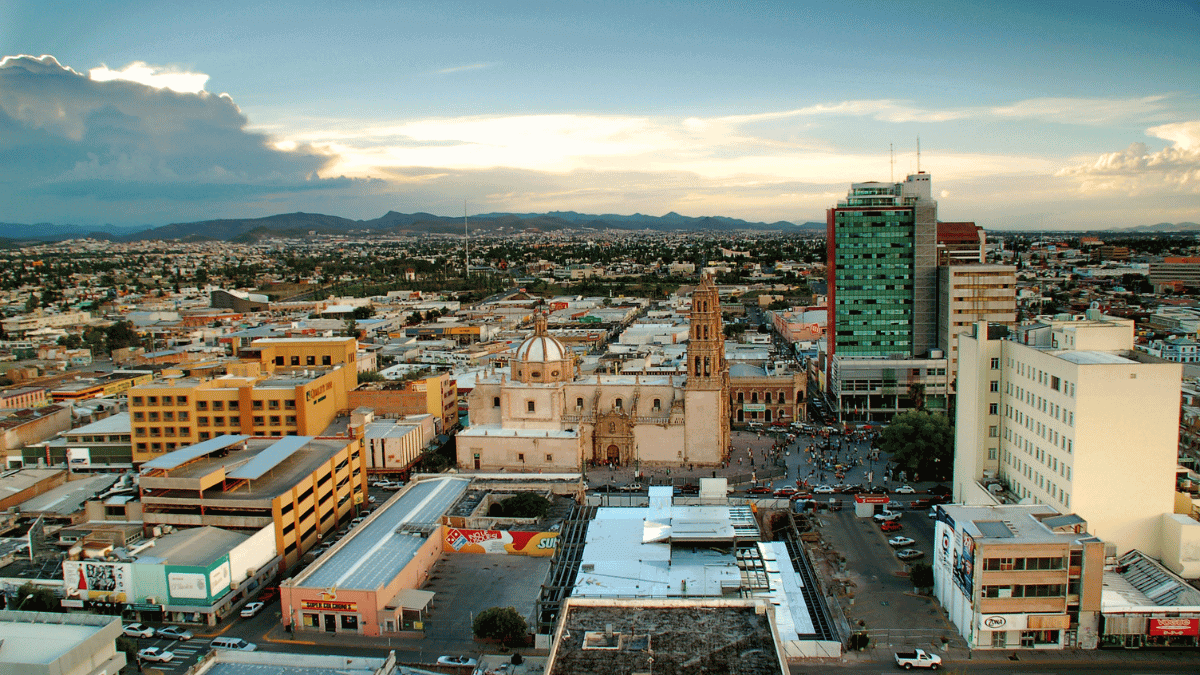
[411, 598]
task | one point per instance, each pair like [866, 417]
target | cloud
[1139, 170]
[140, 133]
[159, 77]
[470, 66]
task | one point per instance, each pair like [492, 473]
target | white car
[455, 661]
[900, 540]
[155, 654]
[138, 630]
[905, 490]
[252, 609]
[174, 633]
[823, 490]
[885, 516]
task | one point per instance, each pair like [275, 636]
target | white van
[233, 643]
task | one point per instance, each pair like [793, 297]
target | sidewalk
[1119, 659]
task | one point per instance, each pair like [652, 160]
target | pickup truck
[918, 658]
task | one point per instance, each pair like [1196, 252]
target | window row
[1006, 564]
[1025, 591]
[166, 416]
[310, 360]
[155, 400]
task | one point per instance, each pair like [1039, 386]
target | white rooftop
[499, 431]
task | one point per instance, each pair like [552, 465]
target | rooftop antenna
[918, 154]
[892, 155]
[467, 247]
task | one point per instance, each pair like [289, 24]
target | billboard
[79, 457]
[964, 567]
[500, 541]
[190, 585]
[1174, 627]
[92, 580]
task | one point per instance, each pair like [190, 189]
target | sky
[1029, 115]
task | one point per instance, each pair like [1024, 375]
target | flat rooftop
[114, 424]
[378, 549]
[39, 638]
[19, 480]
[1014, 523]
[495, 430]
[70, 497]
[716, 636]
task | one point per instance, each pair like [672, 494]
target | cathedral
[542, 415]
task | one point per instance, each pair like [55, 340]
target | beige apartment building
[970, 293]
[1018, 577]
[1065, 413]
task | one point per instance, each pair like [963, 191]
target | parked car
[900, 541]
[139, 630]
[909, 554]
[891, 526]
[785, 492]
[269, 593]
[918, 504]
[155, 654]
[760, 490]
[918, 658]
[690, 489]
[174, 633]
[884, 516]
[939, 490]
[455, 661]
[905, 490]
[252, 609]
[823, 490]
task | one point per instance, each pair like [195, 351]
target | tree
[500, 623]
[920, 443]
[121, 335]
[524, 505]
[921, 575]
[32, 598]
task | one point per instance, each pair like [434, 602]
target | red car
[759, 490]
[785, 492]
[890, 526]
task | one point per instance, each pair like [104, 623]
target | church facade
[541, 415]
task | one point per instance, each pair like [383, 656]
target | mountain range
[302, 224]
[392, 223]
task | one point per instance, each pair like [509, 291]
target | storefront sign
[1004, 622]
[139, 607]
[329, 605]
[994, 622]
[871, 499]
[754, 407]
[1174, 626]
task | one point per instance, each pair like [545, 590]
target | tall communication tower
[467, 245]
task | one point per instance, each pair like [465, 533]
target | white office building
[1064, 413]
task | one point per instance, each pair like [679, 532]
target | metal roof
[383, 545]
[270, 458]
[994, 529]
[182, 456]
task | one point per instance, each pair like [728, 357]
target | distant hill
[1162, 227]
[244, 230]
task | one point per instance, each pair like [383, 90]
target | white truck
[918, 658]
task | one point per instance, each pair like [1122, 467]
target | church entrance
[614, 454]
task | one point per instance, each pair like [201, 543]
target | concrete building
[393, 446]
[1174, 272]
[105, 445]
[367, 584]
[301, 486]
[755, 396]
[1018, 577]
[971, 293]
[1063, 413]
[44, 643]
[960, 243]
[32, 426]
[24, 397]
[436, 395]
[1146, 605]
[283, 387]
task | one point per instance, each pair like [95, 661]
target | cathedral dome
[542, 349]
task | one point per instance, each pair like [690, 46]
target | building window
[139, 416]
[767, 399]
[258, 420]
[151, 400]
[279, 360]
[295, 360]
[995, 386]
[529, 406]
[996, 364]
[327, 360]
[618, 404]
[310, 360]
[549, 457]
[658, 404]
[168, 415]
[217, 422]
[204, 435]
[993, 408]
[235, 421]
[274, 420]
[154, 416]
[992, 453]
[201, 405]
[183, 415]
[290, 420]
[289, 404]
[257, 405]
[201, 421]
[273, 404]
[578, 403]
[496, 401]
[137, 400]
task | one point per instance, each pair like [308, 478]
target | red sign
[871, 499]
[329, 605]
[1174, 626]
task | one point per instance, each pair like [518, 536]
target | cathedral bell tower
[707, 394]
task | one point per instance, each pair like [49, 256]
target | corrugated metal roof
[270, 458]
[182, 456]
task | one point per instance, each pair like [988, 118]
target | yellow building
[283, 387]
[302, 486]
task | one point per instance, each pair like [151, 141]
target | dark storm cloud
[66, 136]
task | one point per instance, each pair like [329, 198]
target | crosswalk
[186, 654]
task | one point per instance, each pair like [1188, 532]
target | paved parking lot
[467, 584]
[878, 591]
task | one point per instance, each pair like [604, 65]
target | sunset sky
[1030, 114]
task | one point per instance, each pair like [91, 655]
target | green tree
[921, 575]
[920, 443]
[32, 598]
[500, 623]
[121, 335]
[524, 505]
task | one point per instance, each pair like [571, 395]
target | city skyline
[1072, 117]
